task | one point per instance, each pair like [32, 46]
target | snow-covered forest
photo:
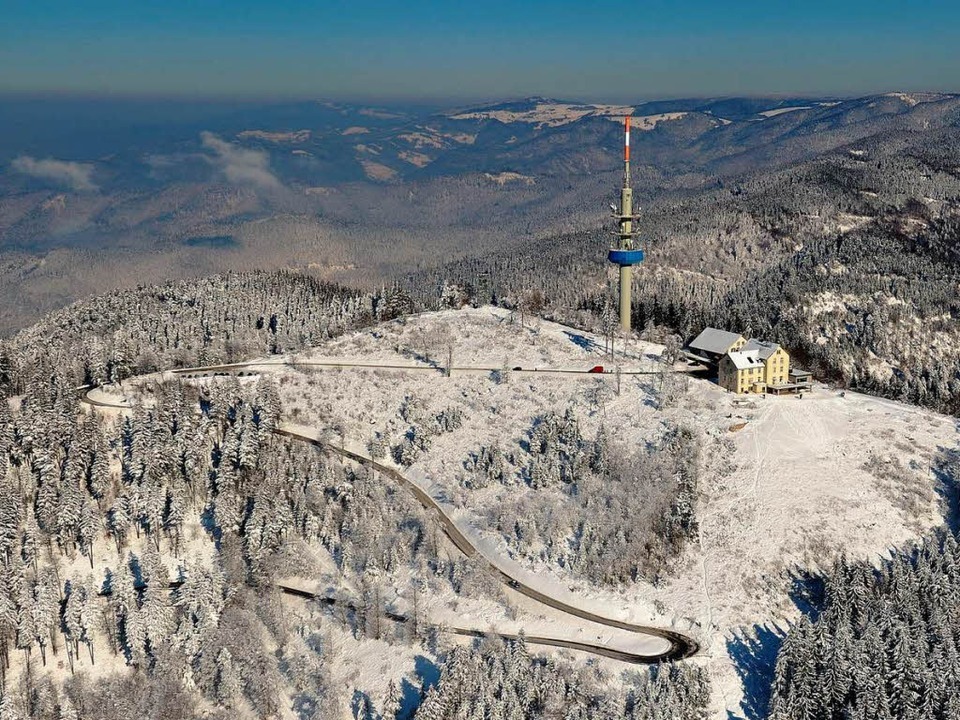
[847, 260]
[219, 319]
[444, 485]
[501, 681]
[145, 552]
[884, 644]
[131, 495]
[157, 541]
[626, 513]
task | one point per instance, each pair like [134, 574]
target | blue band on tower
[625, 257]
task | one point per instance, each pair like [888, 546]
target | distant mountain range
[96, 194]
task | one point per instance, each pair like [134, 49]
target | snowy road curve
[680, 646]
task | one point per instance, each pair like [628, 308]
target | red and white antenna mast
[626, 143]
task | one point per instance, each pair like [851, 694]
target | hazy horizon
[428, 103]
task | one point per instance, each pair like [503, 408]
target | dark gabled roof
[763, 347]
[714, 341]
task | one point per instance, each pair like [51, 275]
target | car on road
[596, 369]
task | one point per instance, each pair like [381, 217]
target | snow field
[789, 491]
[801, 482]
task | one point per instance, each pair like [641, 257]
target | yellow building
[776, 361]
[741, 371]
[755, 367]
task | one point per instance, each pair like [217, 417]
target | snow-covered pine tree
[229, 686]
[391, 705]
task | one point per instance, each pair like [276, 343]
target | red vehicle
[596, 369]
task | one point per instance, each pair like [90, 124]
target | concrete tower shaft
[624, 254]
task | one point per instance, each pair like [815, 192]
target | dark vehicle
[518, 368]
[596, 369]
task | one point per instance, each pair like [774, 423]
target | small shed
[800, 376]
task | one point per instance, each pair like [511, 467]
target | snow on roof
[744, 359]
[764, 347]
[714, 341]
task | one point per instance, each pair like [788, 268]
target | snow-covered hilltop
[625, 485]
[785, 483]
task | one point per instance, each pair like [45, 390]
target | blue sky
[477, 49]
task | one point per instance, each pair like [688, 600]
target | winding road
[231, 367]
[680, 646]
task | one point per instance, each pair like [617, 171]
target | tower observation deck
[625, 255]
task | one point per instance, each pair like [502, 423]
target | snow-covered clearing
[802, 481]
[783, 110]
[547, 114]
[649, 122]
[787, 492]
[846, 222]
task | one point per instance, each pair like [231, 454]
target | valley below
[324, 410]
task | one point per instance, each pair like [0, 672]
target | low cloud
[239, 165]
[74, 175]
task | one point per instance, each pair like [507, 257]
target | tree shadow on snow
[427, 671]
[410, 700]
[582, 341]
[807, 591]
[651, 394]
[946, 469]
[208, 522]
[429, 675]
[361, 706]
[420, 357]
[754, 655]
[754, 651]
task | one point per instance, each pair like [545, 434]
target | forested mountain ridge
[142, 552]
[193, 468]
[848, 260]
[218, 319]
[359, 195]
[796, 254]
